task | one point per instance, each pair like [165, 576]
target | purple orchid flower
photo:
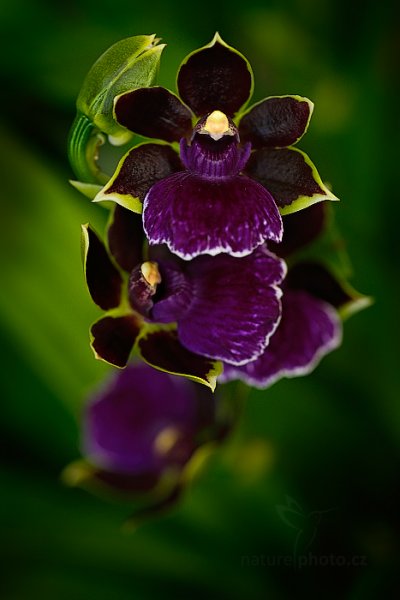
[312, 297]
[236, 169]
[224, 308]
[144, 425]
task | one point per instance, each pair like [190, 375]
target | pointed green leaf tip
[129, 64]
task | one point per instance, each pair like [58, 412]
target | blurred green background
[328, 442]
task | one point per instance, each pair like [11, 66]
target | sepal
[215, 77]
[103, 279]
[158, 345]
[137, 171]
[290, 176]
[113, 336]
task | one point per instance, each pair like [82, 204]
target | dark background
[330, 442]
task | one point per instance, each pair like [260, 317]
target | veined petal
[103, 278]
[153, 112]
[137, 171]
[215, 77]
[235, 306]
[276, 122]
[317, 328]
[126, 237]
[113, 337]
[196, 215]
[290, 176]
[160, 347]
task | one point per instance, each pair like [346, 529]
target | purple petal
[103, 279]
[139, 169]
[300, 229]
[161, 349]
[126, 238]
[276, 122]
[154, 112]
[235, 307]
[309, 329]
[194, 215]
[289, 175]
[216, 77]
[114, 337]
[142, 421]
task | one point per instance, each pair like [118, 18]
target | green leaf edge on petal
[210, 377]
[304, 201]
[132, 203]
[238, 118]
[123, 310]
[218, 38]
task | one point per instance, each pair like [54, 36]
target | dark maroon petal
[289, 175]
[114, 337]
[154, 112]
[216, 77]
[141, 422]
[103, 279]
[309, 329]
[235, 306]
[300, 229]
[162, 349]
[126, 238]
[140, 169]
[276, 122]
[317, 280]
[195, 215]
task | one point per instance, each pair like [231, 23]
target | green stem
[83, 147]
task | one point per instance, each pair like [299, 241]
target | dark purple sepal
[276, 122]
[136, 172]
[113, 337]
[300, 229]
[153, 112]
[126, 237]
[320, 281]
[290, 176]
[309, 329]
[235, 305]
[160, 347]
[196, 215]
[103, 278]
[215, 77]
